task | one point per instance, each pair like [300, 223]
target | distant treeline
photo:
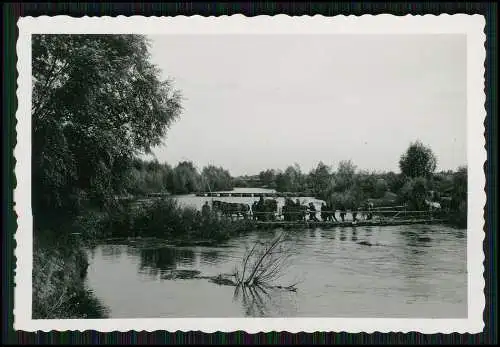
[151, 177]
[351, 187]
[345, 187]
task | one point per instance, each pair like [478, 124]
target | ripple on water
[400, 274]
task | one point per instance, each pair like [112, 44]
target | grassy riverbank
[59, 270]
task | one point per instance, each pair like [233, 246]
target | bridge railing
[360, 214]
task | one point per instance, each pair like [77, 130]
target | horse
[265, 209]
[433, 205]
[231, 208]
[239, 209]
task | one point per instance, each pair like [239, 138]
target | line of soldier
[296, 211]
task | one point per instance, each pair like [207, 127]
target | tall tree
[186, 178]
[320, 178]
[216, 178]
[97, 102]
[345, 175]
[291, 180]
[418, 161]
[268, 177]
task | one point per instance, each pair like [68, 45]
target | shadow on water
[160, 260]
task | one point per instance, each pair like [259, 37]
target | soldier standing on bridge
[354, 213]
[369, 208]
[205, 210]
[288, 209]
[254, 209]
[300, 211]
[312, 212]
[342, 212]
[331, 213]
[323, 212]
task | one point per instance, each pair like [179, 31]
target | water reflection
[210, 257]
[263, 301]
[111, 252]
[92, 251]
[132, 251]
[158, 260]
[342, 235]
[415, 264]
[354, 236]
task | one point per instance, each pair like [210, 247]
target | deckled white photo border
[470, 25]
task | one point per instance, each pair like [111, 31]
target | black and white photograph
[188, 169]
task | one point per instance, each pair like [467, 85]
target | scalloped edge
[471, 25]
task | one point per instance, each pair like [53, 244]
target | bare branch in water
[264, 263]
[246, 261]
[267, 253]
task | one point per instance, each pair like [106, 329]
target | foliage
[216, 178]
[240, 182]
[186, 178]
[418, 161]
[344, 177]
[394, 181]
[59, 267]
[321, 180]
[291, 180]
[268, 177]
[459, 191]
[165, 218]
[153, 177]
[459, 197]
[97, 102]
[148, 177]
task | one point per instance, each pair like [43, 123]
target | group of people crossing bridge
[267, 210]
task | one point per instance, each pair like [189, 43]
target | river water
[413, 271]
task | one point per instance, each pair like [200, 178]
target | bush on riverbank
[166, 219]
[458, 217]
[59, 269]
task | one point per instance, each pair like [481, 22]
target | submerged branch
[263, 263]
[263, 267]
[263, 257]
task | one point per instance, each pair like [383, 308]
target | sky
[254, 102]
